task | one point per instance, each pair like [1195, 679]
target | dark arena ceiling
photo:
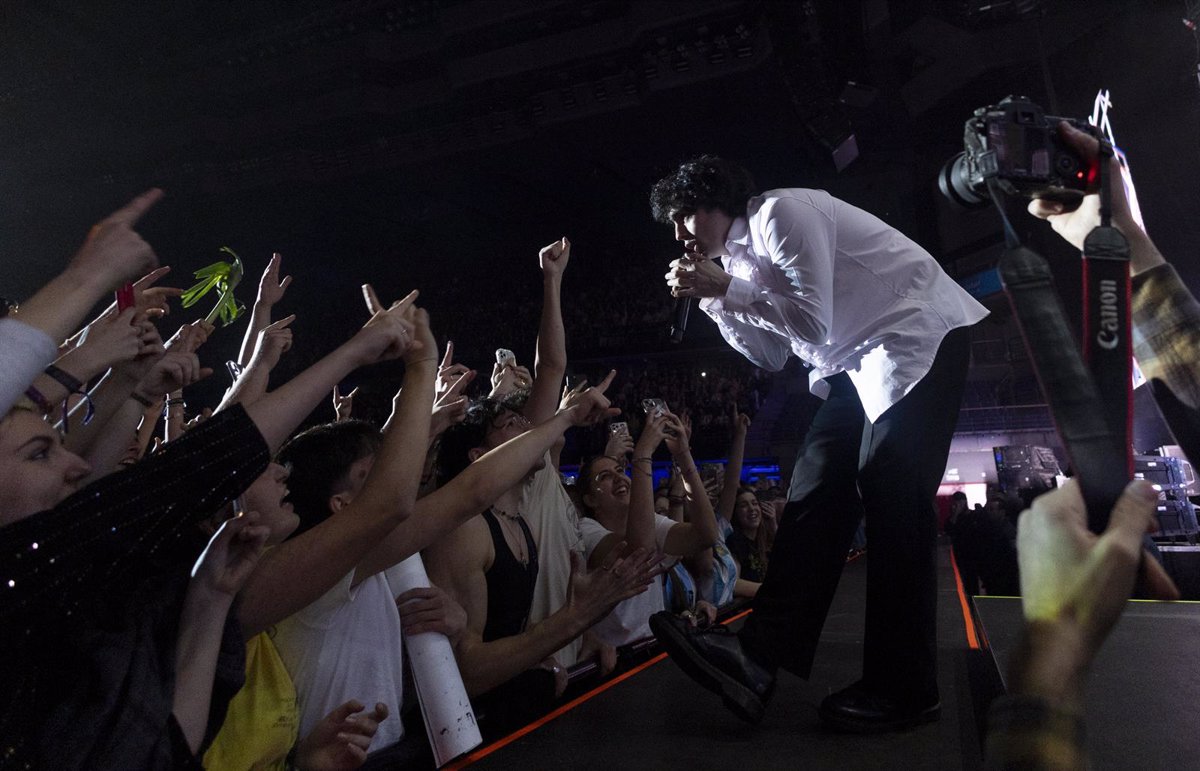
[431, 142]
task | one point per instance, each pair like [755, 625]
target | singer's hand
[697, 276]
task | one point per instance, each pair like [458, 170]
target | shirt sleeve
[130, 525]
[1166, 332]
[799, 239]
[24, 352]
[764, 349]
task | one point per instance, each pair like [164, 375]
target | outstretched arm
[700, 531]
[300, 570]
[550, 364]
[270, 292]
[482, 482]
[457, 565]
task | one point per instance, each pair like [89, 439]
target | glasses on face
[510, 420]
[609, 475]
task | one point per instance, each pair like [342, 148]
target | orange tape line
[968, 622]
[483, 752]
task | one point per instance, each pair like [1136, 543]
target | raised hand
[111, 340]
[676, 434]
[274, 341]
[343, 405]
[340, 740]
[388, 334]
[153, 300]
[232, 554]
[270, 287]
[113, 252]
[450, 406]
[587, 406]
[597, 592]
[620, 444]
[189, 337]
[449, 372]
[429, 609]
[1075, 584]
[654, 429]
[554, 258]
[507, 378]
[174, 371]
[740, 421]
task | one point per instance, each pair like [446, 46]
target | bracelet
[66, 379]
[36, 397]
[172, 402]
[141, 399]
[73, 386]
[646, 457]
[677, 499]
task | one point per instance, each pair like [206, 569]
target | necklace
[514, 534]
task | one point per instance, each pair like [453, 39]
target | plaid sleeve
[1166, 332]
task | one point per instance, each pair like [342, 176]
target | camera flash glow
[703, 374]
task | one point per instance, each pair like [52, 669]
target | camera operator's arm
[1074, 586]
[1166, 316]
[550, 363]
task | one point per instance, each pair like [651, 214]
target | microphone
[682, 306]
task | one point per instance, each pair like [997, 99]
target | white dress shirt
[839, 288]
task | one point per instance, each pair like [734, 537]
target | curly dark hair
[458, 441]
[707, 182]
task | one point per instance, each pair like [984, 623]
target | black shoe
[860, 710]
[715, 659]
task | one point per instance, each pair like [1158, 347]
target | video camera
[1016, 143]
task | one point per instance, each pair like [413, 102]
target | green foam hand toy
[224, 277]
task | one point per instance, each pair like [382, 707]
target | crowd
[187, 587]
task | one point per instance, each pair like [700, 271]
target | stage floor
[657, 718]
[1143, 695]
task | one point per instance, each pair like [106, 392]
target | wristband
[66, 379]
[36, 397]
[140, 399]
[73, 386]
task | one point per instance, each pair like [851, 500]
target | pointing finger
[371, 299]
[403, 304]
[448, 359]
[607, 381]
[131, 212]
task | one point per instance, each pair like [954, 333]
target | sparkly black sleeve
[128, 525]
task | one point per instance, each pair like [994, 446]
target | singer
[885, 332]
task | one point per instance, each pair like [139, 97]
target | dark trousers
[888, 470]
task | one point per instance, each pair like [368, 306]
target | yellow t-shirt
[261, 723]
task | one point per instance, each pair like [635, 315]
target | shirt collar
[739, 233]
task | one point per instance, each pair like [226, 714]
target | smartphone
[655, 407]
[505, 357]
[618, 427]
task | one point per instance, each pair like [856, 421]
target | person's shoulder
[795, 201]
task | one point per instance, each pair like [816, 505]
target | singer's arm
[795, 302]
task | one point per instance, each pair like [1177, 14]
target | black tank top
[509, 583]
